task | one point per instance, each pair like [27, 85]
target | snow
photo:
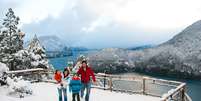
[48, 92]
[25, 70]
[18, 87]
[3, 68]
[169, 92]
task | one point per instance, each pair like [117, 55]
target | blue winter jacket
[75, 85]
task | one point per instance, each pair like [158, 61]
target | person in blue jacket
[75, 86]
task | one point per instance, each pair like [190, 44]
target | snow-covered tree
[22, 60]
[37, 54]
[11, 39]
[12, 52]
[32, 57]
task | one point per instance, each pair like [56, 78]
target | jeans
[86, 86]
[76, 95]
[60, 90]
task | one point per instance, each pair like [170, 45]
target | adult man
[86, 73]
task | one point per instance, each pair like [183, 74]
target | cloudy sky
[105, 23]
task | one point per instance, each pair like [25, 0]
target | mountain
[180, 56]
[78, 49]
[141, 47]
[110, 60]
[52, 43]
[55, 47]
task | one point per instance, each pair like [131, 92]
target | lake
[193, 86]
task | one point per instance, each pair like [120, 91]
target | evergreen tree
[11, 39]
[11, 47]
[37, 54]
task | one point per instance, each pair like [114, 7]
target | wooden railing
[26, 71]
[177, 93]
[34, 75]
[139, 84]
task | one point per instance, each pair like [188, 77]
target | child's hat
[70, 64]
[74, 73]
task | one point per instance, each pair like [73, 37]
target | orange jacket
[58, 77]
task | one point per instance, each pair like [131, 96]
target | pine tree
[11, 39]
[37, 54]
[12, 52]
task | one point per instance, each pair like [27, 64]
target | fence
[172, 90]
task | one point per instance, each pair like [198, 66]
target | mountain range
[55, 47]
[180, 56]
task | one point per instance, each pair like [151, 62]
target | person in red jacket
[86, 73]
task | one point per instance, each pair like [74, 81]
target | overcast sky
[105, 23]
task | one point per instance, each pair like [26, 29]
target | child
[66, 77]
[75, 86]
[61, 88]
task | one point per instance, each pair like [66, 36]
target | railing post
[143, 85]
[104, 81]
[183, 93]
[110, 83]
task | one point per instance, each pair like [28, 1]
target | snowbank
[3, 68]
[18, 87]
[3, 76]
[48, 92]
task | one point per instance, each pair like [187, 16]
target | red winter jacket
[85, 75]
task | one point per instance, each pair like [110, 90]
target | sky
[104, 23]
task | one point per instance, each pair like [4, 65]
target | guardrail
[34, 75]
[175, 90]
[144, 85]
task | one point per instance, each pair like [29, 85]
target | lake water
[60, 63]
[193, 86]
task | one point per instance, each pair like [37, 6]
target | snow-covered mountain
[141, 47]
[110, 60]
[52, 43]
[55, 47]
[180, 56]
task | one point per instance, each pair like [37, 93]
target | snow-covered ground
[48, 92]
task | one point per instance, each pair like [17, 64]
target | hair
[68, 72]
[56, 71]
[84, 61]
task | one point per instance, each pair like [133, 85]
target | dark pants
[76, 95]
[86, 86]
